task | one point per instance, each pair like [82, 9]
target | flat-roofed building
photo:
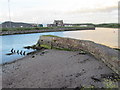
[56, 23]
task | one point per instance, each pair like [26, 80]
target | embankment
[11, 32]
[108, 55]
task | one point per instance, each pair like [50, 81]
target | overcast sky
[71, 11]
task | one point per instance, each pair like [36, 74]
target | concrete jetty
[108, 55]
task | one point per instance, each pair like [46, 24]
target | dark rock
[17, 51]
[27, 47]
[63, 88]
[24, 53]
[78, 88]
[12, 50]
[10, 53]
[95, 79]
[78, 74]
[33, 56]
[21, 53]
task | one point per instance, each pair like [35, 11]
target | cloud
[45, 11]
[93, 10]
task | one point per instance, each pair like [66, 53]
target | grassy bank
[39, 28]
[108, 25]
[21, 29]
[90, 25]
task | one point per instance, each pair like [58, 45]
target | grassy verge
[108, 25]
[21, 29]
[50, 36]
[109, 84]
[64, 49]
[49, 47]
[45, 46]
[39, 28]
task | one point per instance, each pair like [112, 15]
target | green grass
[46, 46]
[108, 25]
[49, 47]
[109, 84]
[50, 36]
[21, 29]
[38, 28]
[64, 49]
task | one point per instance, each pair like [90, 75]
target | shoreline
[14, 61]
[2, 33]
[55, 69]
[88, 64]
[64, 64]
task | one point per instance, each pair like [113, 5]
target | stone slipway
[55, 69]
[108, 55]
[52, 68]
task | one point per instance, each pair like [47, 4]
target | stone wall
[108, 55]
[45, 30]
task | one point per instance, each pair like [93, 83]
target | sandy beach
[98, 35]
[54, 69]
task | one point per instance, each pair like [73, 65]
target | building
[40, 25]
[0, 26]
[56, 23]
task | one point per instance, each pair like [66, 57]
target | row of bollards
[18, 52]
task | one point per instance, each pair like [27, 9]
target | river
[106, 36]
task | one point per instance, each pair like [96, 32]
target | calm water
[104, 36]
[17, 42]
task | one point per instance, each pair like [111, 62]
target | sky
[70, 11]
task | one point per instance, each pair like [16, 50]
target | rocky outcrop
[108, 55]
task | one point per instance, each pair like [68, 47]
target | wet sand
[54, 69]
[105, 36]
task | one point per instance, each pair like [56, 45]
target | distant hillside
[9, 24]
[109, 25]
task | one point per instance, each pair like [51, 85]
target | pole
[9, 12]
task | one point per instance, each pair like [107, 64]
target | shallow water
[17, 42]
[106, 36]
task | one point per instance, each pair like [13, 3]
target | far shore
[10, 32]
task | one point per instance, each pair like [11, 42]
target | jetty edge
[108, 55]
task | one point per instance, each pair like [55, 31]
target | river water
[106, 36]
